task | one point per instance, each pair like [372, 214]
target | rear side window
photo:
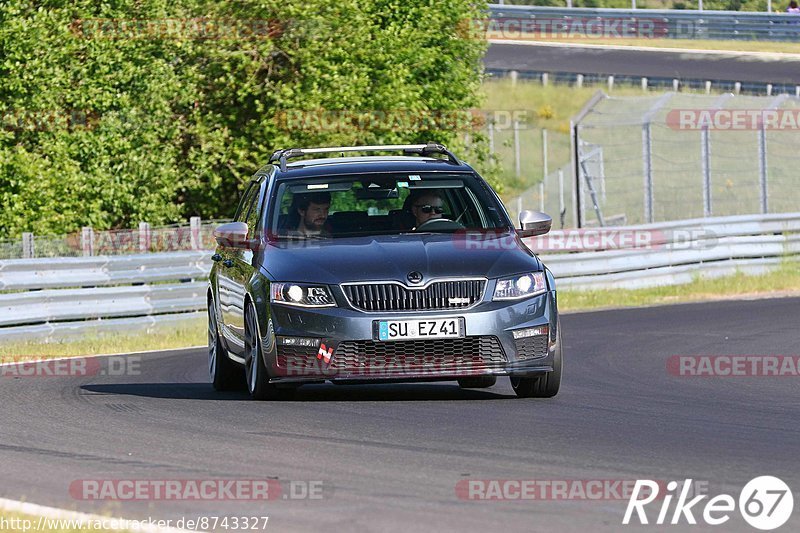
[246, 202]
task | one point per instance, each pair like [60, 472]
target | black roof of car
[368, 164]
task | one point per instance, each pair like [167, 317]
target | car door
[229, 276]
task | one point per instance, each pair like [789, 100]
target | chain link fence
[676, 156]
[191, 235]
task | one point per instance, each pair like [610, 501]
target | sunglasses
[427, 209]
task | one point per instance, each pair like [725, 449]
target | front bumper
[346, 337]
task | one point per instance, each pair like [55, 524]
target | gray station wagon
[379, 268]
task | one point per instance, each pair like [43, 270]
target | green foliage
[106, 122]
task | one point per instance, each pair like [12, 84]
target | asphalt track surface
[743, 68]
[390, 456]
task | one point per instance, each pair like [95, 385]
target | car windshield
[383, 204]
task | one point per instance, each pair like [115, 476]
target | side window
[244, 204]
[254, 210]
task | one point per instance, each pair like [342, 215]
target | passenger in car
[310, 214]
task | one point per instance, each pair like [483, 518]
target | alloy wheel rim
[251, 344]
[212, 343]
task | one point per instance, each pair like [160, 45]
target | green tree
[115, 112]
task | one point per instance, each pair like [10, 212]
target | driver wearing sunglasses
[427, 206]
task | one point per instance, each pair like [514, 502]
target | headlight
[302, 295]
[521, 286]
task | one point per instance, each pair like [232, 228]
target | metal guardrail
[53, 298]
[649, 23]
[672, 253]
[56, 298]
[103, 271]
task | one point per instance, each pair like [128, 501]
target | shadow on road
[308, 393]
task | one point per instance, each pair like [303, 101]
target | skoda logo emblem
[414, 277]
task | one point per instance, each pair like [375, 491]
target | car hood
[392, 257]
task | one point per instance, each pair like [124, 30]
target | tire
[225, 374]
[258, 384]
[477, 382]
[545, 386]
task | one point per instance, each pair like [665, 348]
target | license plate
[433, 328]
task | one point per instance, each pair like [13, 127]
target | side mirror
[534, 223]
[234, 235]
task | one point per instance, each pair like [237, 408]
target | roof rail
[281, 156]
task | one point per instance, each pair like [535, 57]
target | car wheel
[545, 386]
[225, 375]
[257, 376]
[477, 382]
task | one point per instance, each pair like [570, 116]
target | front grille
[429, 356]
[439, 295]
[531, 347]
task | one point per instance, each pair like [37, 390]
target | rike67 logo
[766, 503]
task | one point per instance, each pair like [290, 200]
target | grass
[191, 332]
[782, 281]
[689, 44]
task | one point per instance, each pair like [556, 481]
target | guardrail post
[545, 79]
[517, 163]
[544, 170]
[705, 157]
[762, 167]
[562, 206]
[87, 241]
[647, 163]
[544, 153]
[194, 228]
[610, 83]
[579, 81]
[644, 84]
[708, 87]
[513, 75]
[144, 237]
[28, 251]
[574, 139]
